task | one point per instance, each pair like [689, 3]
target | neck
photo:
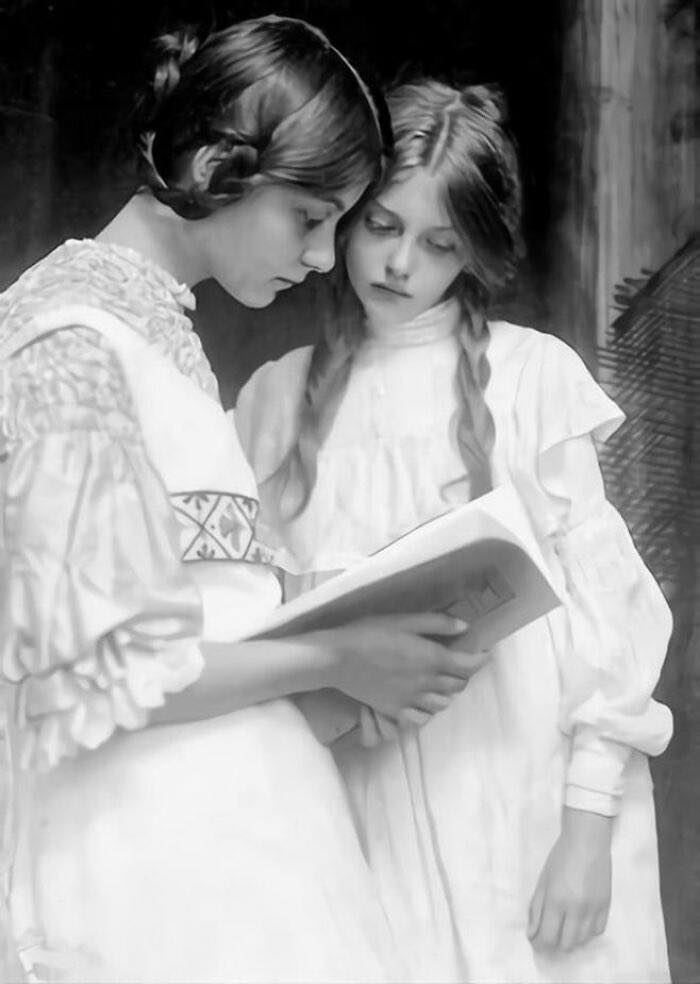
[158, 234]
[437, 322]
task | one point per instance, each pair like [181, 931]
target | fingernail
[460, 625]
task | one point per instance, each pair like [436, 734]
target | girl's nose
[319, 254]
[398, 263]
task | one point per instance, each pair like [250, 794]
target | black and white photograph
[349, 492]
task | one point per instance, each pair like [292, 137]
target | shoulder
[88, 283]
[538, 357]
[275, 385]
[268, 409]
[527, 345]
[551, 385]
[288, 369]
[81, 273]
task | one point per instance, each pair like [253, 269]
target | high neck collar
[432, 325]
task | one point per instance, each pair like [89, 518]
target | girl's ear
[203, 164]
[242, 164]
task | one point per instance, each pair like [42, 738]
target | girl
[218, 846]
[513, 838]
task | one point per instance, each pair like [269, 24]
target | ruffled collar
[431, 326]
[180, 293]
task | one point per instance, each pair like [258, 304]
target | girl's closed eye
[309, 220]
[442, 246]
[379, 223]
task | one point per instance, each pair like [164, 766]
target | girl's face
[403, 252]
[271, 239]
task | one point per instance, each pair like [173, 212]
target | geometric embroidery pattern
[219, 526]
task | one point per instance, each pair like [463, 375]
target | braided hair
[274, 100]
[461, 138]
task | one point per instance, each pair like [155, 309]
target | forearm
[238, 675]
[586, 825]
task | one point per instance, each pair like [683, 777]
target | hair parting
[246, 93]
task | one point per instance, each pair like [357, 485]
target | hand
[387, 663]
[375, 727]
[572, 898]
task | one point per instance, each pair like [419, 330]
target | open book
[479, 562]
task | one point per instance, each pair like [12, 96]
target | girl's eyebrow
[335, 202]
[309, 197]
[378, 203]
[444, 228]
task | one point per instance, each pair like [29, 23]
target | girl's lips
[286, 282]
[395, 291]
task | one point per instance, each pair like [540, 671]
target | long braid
[475, 429]
[460, 137]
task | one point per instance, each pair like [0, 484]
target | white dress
[459, 818]
[219, 850]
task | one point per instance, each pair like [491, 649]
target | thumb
[535, 911]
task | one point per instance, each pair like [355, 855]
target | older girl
[513, 837]
[217, 846]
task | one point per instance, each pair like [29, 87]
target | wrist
[323, 660]
[583, 826]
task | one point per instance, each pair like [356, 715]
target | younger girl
[513, 838]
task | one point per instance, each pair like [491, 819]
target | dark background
[69, 70]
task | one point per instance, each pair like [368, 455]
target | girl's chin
[255, 296]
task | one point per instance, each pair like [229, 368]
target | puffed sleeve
[98, 619]
[618, 623]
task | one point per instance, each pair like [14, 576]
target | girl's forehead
[417, 197]
[340, 201]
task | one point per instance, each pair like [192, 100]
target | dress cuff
[594, 779]
[591, 801]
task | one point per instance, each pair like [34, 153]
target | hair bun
[238, 161]
[244, 160]
[173, 49]
[487, 99]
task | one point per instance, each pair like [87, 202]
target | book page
[480, 562]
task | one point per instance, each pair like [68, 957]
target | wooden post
[628, 155]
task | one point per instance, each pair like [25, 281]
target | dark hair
[461, 137]
[273, 97]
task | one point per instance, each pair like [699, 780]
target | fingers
[432, 702]
[413, 717]
[462, 665]
[448, 686]
[535, 913]
[548, 935]
[579, 928]
[585, 931]
[555, 927]
[600, 922]
[573, 932]
[430, 624]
